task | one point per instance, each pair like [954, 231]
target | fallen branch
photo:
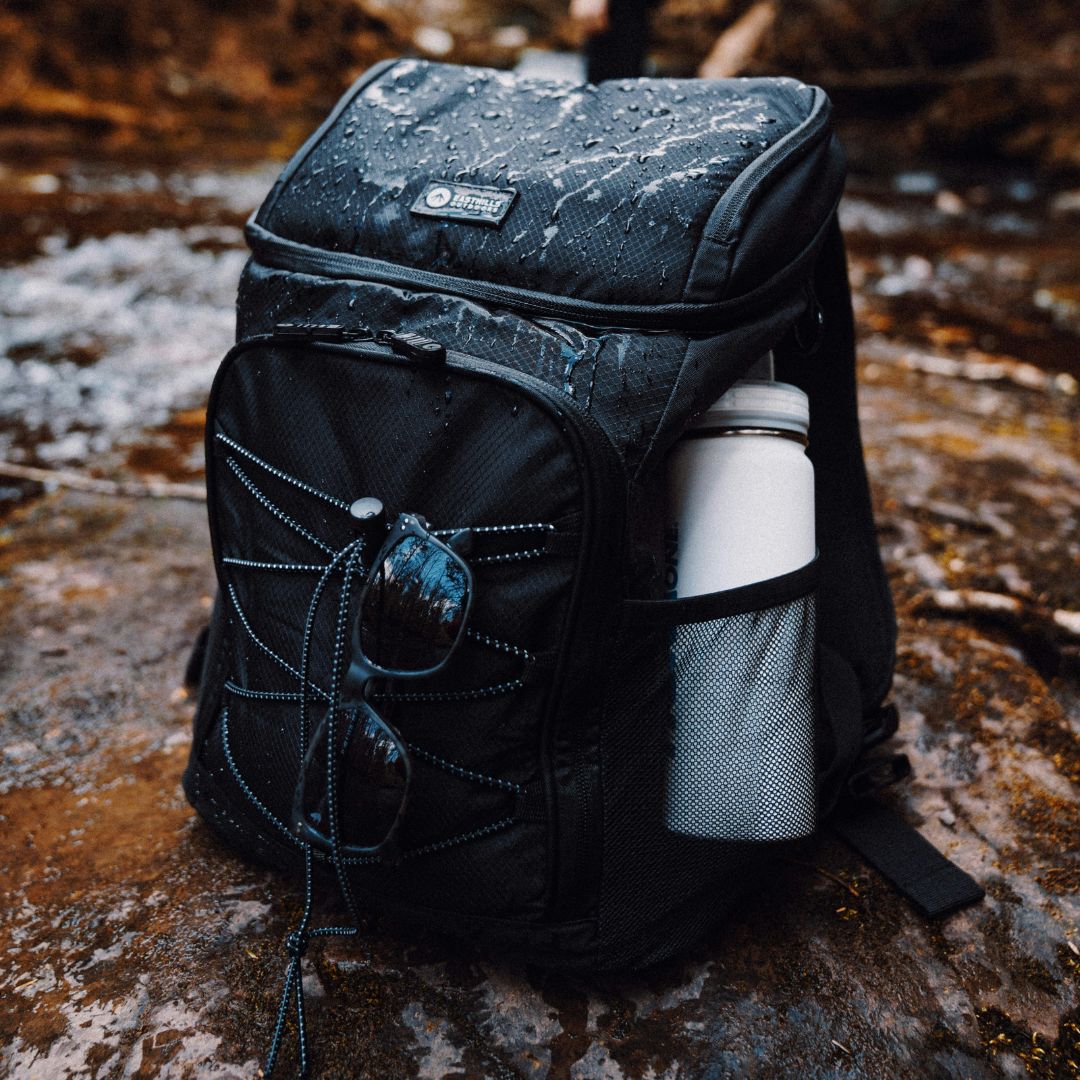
[902, 77]
[976, 368]
[131, 489]
[739, 43]
[1001, 606]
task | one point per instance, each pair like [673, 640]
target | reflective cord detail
[438, 845]
[450, 695]
[273, 508]
[336, 675]
[467, 774]
[477, 694]
[502, 646]
[297, 941]
[510, 556]
[461, 838]
[317, 568]
[295, 946]
[344, 562]
[535, 526]
[281, 661]
[251, 564]
[262, 695]
[305, 648]
[280, 473]
[368, 860]
[246, 788]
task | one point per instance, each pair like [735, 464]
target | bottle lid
[757, 403]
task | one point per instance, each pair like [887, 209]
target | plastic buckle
[877, 773]
[888, 720]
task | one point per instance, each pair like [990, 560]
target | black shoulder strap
[879, 834]
[900, 853]
[854, 605]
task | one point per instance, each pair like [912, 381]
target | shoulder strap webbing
[908, 860]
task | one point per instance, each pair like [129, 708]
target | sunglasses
[350, 797]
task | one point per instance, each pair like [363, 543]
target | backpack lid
[631, 192]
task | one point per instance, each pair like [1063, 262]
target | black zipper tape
[696, 319]
[747, 187]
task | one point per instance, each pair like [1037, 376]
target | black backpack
[496, 302]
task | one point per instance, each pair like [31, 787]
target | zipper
[696, 319]
[403, 343]
[749, 182]
[595, 579]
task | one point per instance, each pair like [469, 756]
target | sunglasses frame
[362, 671]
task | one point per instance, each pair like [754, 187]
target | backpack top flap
[658, 194]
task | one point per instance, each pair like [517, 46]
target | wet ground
[136, 945]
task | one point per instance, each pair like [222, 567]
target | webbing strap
[908, 860]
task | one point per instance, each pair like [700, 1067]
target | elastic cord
[296, 942]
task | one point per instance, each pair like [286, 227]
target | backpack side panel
[856, 614]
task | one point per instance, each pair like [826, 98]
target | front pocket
[741, 765]
[296, 432]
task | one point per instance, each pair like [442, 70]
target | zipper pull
[411, 346]
[323, 332]
[414, 346]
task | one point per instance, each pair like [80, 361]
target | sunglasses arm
[354, 685]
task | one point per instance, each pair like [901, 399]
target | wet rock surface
[136, 944]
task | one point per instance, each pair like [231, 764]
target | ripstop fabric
[594, 265]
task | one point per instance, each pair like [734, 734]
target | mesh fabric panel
[742, 754]
[660, 889]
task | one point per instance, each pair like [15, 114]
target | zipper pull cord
[297, 941]
[403, 342]
[325, 332]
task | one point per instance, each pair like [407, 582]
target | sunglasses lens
[414, 607]
[372, 778]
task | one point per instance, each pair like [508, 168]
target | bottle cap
[756, 403]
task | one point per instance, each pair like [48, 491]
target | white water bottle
[741, 491]
[740, 511]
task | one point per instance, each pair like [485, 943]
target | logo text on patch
[464, 202]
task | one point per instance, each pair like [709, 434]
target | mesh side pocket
[742, 762]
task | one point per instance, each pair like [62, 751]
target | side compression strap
[901, 854]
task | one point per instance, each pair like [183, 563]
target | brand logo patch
[464, 202]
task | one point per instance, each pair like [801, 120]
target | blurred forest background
[943, 77]
[136, 136]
